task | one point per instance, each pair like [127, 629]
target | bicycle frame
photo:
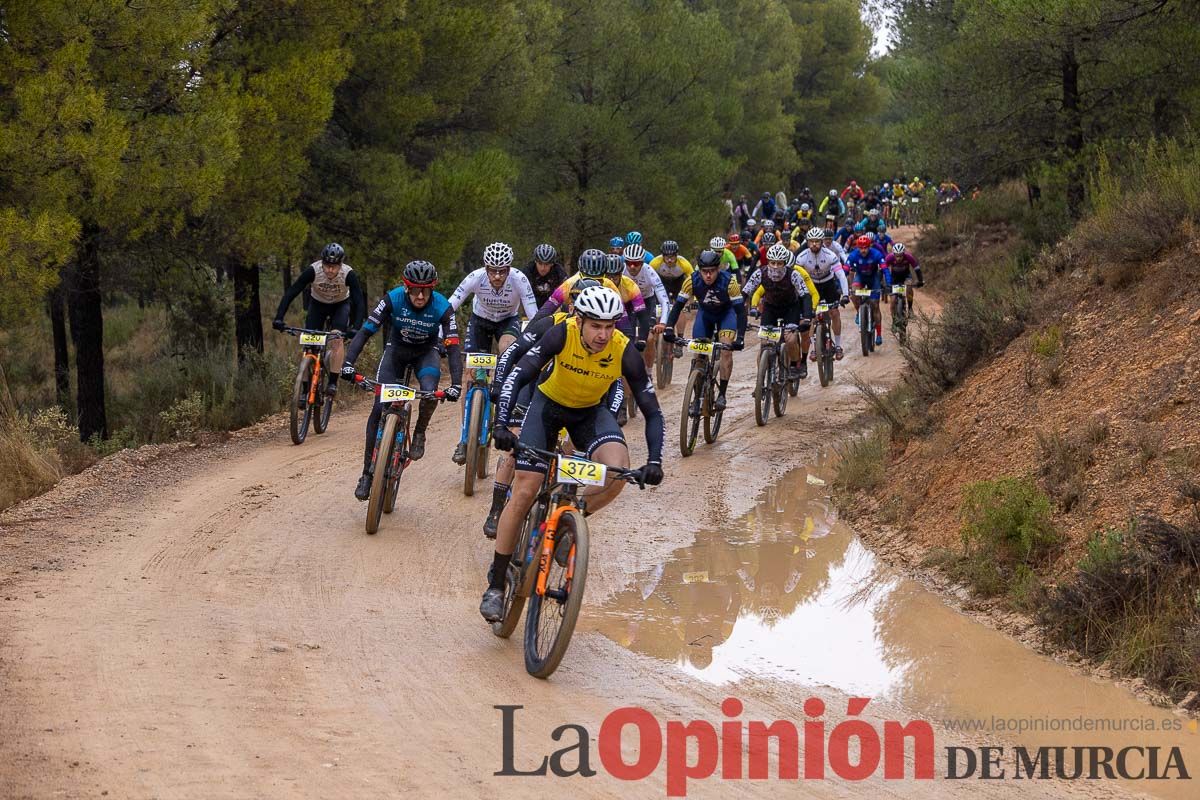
[478, 387]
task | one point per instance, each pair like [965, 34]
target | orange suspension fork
[548, 549]
[312, 386]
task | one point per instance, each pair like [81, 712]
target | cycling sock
[499, 495]
[722, 386]
[879, 327]
[499, 570]
[837, 340]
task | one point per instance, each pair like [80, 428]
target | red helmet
[862, 241]
[734, 238]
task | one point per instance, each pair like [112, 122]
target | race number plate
[822, 308]
[696, 577]
[395, 393]
[316, 339]
[581, 471]
[481, 361]
[862, 292]
[705, 348]
[771, 335]
[899, 289]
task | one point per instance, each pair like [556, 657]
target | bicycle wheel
[793, 387]
[664, 363]
[689, 425]
[321, 418]
[397, 466]
[379, 481]
[522, 571]
[301, 413]
[779, 382]
[712, 417]
[474, 426]
[825, 359]
[552, 616]
[900, 319]
[871, 330]
[762, 387]
[864, 327]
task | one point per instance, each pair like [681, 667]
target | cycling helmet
[862, 241]
[745, 236]
[778, 252]
[545, 253]
[497, 255]
[633, 237]
[616, 241]
[333, 253]
[735, 239]
[670, 248]
[751, 222]
[768, 224]
[708, 259]
[579, 285]
[634, 253]
[599, 302]
[613, 264]
[874, 212]
[898, 248]
[591, 263]
[833, 192]
[716, 243]
[805, 207]
[420, 273]
[815, 234]
[768, 239]
[887, 185]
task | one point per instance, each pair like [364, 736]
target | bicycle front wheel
[379, 482]
[301, 411]
[779, 382]
[825, 357]
[865, 327]
[762, 388]
[664, 361]
[712, 417]
[474, 426]
[689, 423]
[552, 616]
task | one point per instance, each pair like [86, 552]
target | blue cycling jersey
[868, 269]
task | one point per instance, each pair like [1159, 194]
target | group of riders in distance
[556, 391]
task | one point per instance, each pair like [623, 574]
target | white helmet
[778, 252]
[805, 206]
[815, 235]
[717, 243]
[833, 192]
[898, 248]
[751, 222]
[599, 302]
[634, 252]
[769, 224]
[874, 212]
[497, 255]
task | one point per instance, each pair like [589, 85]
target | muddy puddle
[787, 592]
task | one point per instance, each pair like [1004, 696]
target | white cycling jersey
[651, 285]
[823, 266]
[496, 304]
[837, 248]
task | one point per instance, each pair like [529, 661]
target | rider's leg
[386, 372]
[725, 368]
[614, 454]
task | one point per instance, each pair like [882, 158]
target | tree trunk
[56, 302]
[247, 311]
[1074, 127]
[84, 306]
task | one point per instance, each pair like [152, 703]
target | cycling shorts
[776, 316]
[328, 316]
[708, 323]
[829, 291]
[482, 333]
[673, 285]
[588, 428]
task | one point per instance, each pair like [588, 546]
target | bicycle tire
[521, 574]
[393, 484]
[301, 413]
[664, 363]
[689, 426]
[900, 319]
[474, 425]
[379, 477]
[762, 386]
[826, 357]
[321, 419]
[712, 417]
[864, 328]
[779, 382]
[546, 644]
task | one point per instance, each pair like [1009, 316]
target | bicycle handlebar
[290, 331]
[631, 476]
[367, 384]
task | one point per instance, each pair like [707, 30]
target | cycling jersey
[721, 294]
[729, 260]
[651, 287]
[838, 250]
[496, 304]
[544, 285]
[838, 206]
[681, 267]
[871, 226]
[844, 234]
[868, 269]
[822, 266]
[412, 331]
[345, 286]
[786, 290]
[804, 276]
[900, 265]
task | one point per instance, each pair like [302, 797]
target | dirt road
[219, 625]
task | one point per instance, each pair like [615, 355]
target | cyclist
[722, 312]
[654, 294]
[616, 244]
[866, 264]
[804, 216]
[853, 191]
[636, 322]
[833, 245]
[588, 354]
[671, 267]
[824, 266]
[846, 235]
[634, 237]
[768, 226]
[872, 223]
[785, 301]
[740, 252]
[337, 301]
[591, 265]
[832, 205]
[765, 208]
[499, 293]
[901, 266]
[545, 272]
[420, 320]
[728, 260]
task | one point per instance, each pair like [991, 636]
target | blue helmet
[633, 237]
[616, 241]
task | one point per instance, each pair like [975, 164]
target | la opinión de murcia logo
[736, 749]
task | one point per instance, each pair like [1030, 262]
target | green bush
[861, 461]
[1006, 525]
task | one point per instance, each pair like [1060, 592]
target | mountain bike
[700, 394]
[866, 320]
[391, 441]
[823, 342]
[772, 387]
[900, 312]
[310, 401]
[478, 412]
[549, 564]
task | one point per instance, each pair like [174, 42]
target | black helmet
[591, 263]
[670, 248]
[581, 284]
[420, 273]
[333, 253]
[708, 259]
[613, 263]
[545, 253]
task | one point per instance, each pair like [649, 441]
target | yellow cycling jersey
[581, 379]
[682, 267]
[629, 290]
[812, 287]
[565, 288]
